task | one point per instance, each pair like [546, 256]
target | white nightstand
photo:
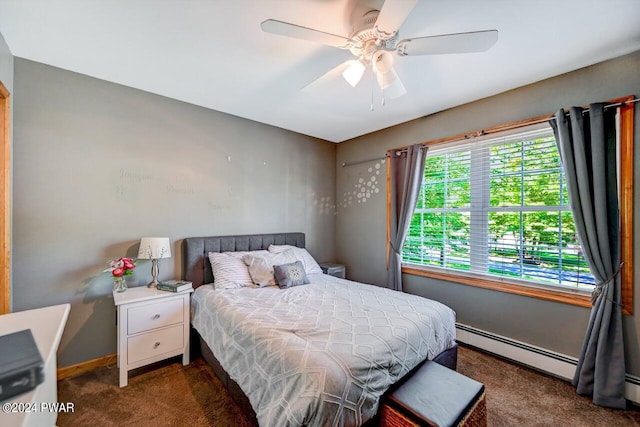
[152, 326]
[333, 269]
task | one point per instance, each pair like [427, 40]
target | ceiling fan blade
[392, 15]
[476, 41]
[304, 33]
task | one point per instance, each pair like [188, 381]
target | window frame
[568, 296]
[5, 200]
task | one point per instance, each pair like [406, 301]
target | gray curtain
[587, 145]
[406, 171]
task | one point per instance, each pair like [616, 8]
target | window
[499, 208]
[493, 213]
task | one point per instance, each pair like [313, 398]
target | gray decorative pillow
[288, 275]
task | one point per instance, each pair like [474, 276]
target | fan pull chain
[382, 101]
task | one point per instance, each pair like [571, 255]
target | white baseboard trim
[538, 358]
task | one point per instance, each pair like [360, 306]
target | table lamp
[154, 248]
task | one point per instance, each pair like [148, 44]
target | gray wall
[98, 165]
[361, 227]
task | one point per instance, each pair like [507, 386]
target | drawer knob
[157, 344]
[156, 317]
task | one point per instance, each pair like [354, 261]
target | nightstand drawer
[155, 343]
[152, 316]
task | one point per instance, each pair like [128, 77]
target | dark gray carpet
[168, 394]
[518, 396]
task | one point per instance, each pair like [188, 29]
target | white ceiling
[214, 54]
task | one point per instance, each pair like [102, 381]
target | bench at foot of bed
[434, 396]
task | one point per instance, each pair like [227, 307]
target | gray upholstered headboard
[195, 251]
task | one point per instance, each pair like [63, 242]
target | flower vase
[119, 284]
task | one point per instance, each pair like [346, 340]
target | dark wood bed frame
[197, 270]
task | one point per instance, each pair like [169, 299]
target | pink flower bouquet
[121, 267]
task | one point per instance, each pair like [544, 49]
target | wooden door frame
[5, 201]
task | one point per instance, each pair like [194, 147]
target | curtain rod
[377, 159]
[607, 106]
[621, 104]
[534, 121]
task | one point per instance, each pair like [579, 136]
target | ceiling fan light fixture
[389, 82]
[353, 73]
[382, 61]
[386, 75]
[382, 64]
[395, 89]
[385, 79]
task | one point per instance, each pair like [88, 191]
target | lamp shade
[154, 248]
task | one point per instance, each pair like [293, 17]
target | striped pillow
[229, 271]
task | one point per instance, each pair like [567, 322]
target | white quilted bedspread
[319, 354]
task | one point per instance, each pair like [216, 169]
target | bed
[322, 353]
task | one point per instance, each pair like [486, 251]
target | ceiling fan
[375, 39]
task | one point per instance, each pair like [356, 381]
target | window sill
[566, 297]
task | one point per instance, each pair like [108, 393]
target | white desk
[46, 325]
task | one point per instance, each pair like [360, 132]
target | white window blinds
[498, 207]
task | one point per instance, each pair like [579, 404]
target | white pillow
[261, 266]
[301, 254]
[229, 271]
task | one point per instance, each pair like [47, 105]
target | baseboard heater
[547, 361]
